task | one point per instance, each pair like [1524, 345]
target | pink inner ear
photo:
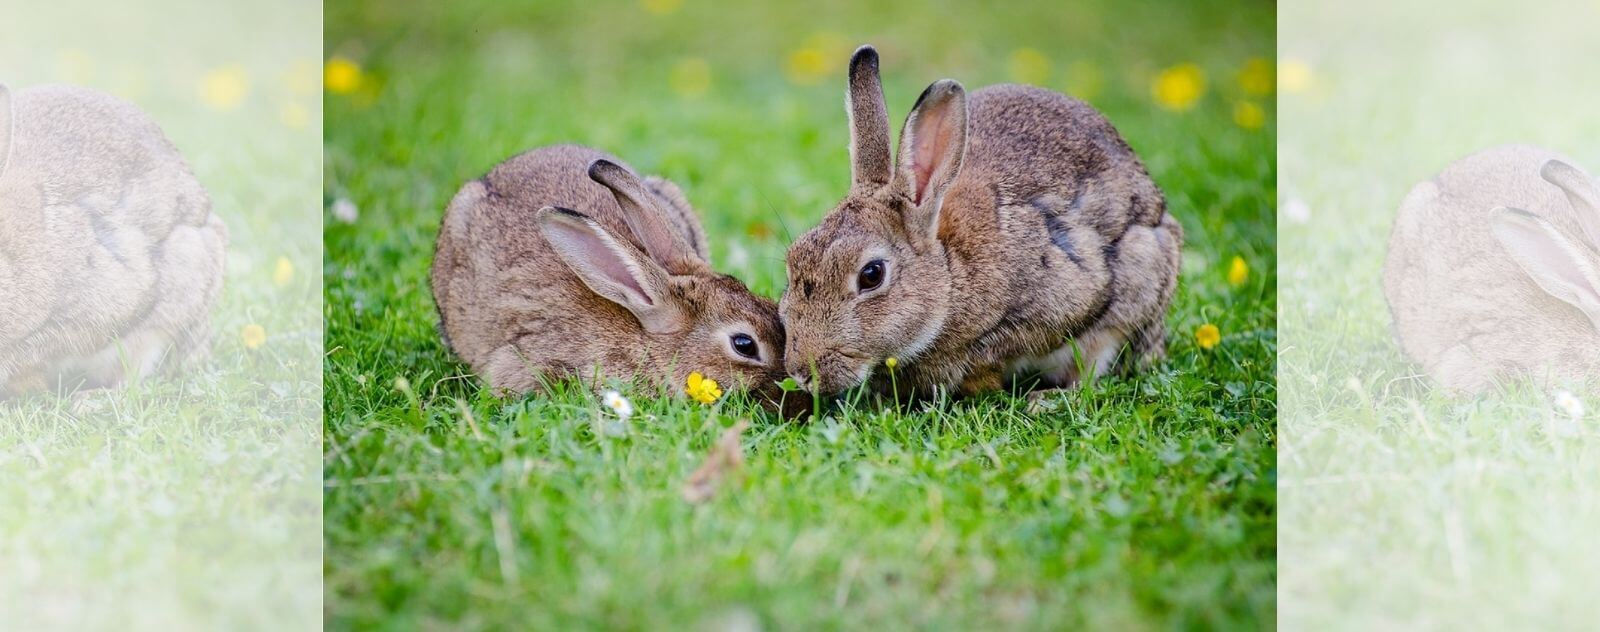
[588, 249]
[930, 139]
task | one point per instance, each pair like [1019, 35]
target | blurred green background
[1140, 503]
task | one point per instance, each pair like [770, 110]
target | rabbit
[1017, 236]
[562, 262]
[1493, 271]
[110, 256]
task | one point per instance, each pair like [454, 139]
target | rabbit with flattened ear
[562, 262]
[1493, 270]
[110, 256]
[1017, 236]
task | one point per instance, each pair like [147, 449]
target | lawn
[1136, 503]
[1402, 507]
[188, 503]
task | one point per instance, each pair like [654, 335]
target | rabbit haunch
[110, 257]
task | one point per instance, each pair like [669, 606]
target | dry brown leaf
[724, 460]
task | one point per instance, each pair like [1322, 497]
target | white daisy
[1569, 404]
[617, 403]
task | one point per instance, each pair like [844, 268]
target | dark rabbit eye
[871, 276]
[746, 346]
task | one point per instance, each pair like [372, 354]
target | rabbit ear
[932, 146]
[6, 126]
[870, 163]
[611, 267]
[1582, 192]
[1562, 268]
[645, 219]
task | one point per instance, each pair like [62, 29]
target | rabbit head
[1565, 265]
[872, 281]
[704, 321]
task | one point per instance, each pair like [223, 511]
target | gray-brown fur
[110, 257]
[1471, 260]
[515, 308]
[1050, 233]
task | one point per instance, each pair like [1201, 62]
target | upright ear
[6, 125]
[646, 220]
[1562, 268]
[932, 146]
[870, 164]
[611, 267]
[1582, 192]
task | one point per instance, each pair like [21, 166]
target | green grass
[187, 503]
[1145, 502]
[1400, 507]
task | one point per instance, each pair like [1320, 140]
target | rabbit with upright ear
[1493, 270]
[562, 262]
[110, 256]
[1016, 236]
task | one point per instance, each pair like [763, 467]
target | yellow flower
[1207, 336]
[1256, 78]
[1180, 87]
[225, 88]
[1294, 76]
[661, 7]
[294, 115]
[702, 389]
[282, 272]
[892, 362]
[690, 77]
[1029, 66]
[1249, 115]
[342, 76]
[253, 336]
[806, 66]
[1238, 272]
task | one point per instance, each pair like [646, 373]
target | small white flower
[1569, 404]
[618, 404]
[345, 211]
[1297, 211]
[738, 257]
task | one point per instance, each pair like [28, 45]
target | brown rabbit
[110, 256]
[1017, 235]
[562, 262]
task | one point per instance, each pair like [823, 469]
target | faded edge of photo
[160, 315]
[1439, 455]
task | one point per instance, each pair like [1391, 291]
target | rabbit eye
[745, 346]
[871, 276]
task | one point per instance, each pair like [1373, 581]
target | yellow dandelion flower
[1207, 336]
[282, 272]
[1294, 76]
[1248, 115]
[702, 389]
[1256, 78]
[1084, 79]
[225, 88]
[892, 362]
[1238, 272]
[1028, 65]
[342, 76]
[253, 336]
[690, 77]
[1180, 87]
[660, 7]
[806, 66]
[294, 116]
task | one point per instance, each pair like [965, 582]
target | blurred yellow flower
[282, 272]
[1248, 115]
[1238, 272]
[225, 88]
[892, 362]
[702, 389]
[660, 7]
[1180, 87]
[1084, 80]
[805, 66]
[253, 336]
[1207, 336]
[1029, 66]
[1256, 78]
[690, 77]
[342, 76]
[1294, 76]
[294, 116]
